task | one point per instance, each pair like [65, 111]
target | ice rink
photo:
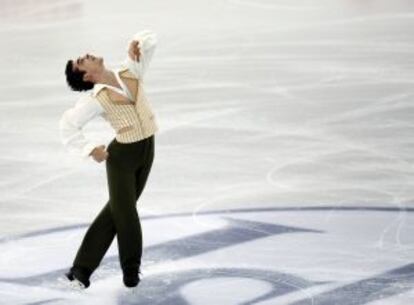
[284, 164]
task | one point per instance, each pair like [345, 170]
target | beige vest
[131, 121]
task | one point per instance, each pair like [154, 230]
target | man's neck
[108, 77]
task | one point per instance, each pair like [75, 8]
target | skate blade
[77, 285]
[127, 291]
[74, 285]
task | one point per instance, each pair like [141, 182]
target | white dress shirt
[88, 107]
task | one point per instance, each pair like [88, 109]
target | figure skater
[118, 96]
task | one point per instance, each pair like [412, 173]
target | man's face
[92, 65]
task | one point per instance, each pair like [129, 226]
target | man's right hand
[134, 51]
[99, 153]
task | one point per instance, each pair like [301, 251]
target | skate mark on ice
[387, 284]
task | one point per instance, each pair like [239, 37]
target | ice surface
[283, 169]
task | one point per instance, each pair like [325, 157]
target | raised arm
[72, 122]
[147, 42]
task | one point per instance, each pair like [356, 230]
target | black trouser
[127, 166]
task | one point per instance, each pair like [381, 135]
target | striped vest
[131, 121]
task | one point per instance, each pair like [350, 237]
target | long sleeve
[147, 44]
[72, 122]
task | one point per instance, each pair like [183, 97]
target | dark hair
[74, 78]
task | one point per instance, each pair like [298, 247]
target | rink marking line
[239, 232]
[402, 273]
[52, 230]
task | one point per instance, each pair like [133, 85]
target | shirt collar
[99, 86]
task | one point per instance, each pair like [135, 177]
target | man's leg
[121, 184]
[143, 172]
[130, 272]
[96, 241]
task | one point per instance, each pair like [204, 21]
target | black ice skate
[131, 277]
[78, 277]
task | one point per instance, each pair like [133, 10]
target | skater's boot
[79, 277]
[131, 277]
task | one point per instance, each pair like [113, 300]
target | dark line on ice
[214, 212]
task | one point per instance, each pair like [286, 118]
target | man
[117, 96]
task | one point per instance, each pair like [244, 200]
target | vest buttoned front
[131, 120]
